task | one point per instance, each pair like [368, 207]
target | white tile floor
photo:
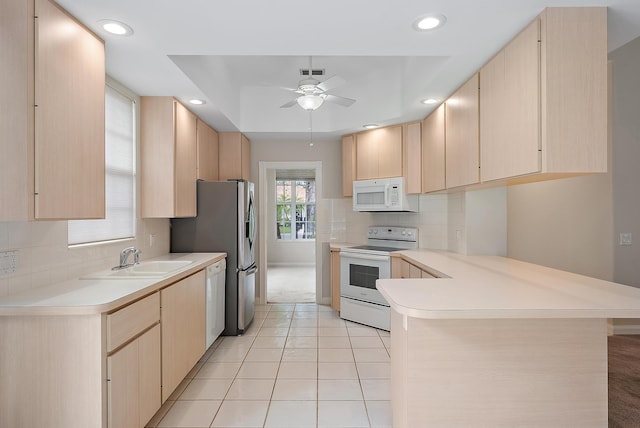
[298, 365]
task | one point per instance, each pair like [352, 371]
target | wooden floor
[624, 381]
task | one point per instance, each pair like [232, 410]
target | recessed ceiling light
[429, 101]
[429, 22]
[370, 125]
[115, 27]
[197, 101]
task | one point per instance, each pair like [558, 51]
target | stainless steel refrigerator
[225, 221]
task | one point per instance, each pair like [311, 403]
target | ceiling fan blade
[330, 83]
[290, 103]
[296, 90]
[339, 100]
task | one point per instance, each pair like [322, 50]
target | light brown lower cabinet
[111, 369]
[133, 385]
[403, 269]
[182, 315]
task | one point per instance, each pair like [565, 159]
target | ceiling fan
[313, 93]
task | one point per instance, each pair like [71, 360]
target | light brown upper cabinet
[348, 164]
[433, 149]
[207, 141]
[574, 90]
[462, 135]
[412, 156]
[379, 153]
[51, 115]
[541, 99]
[168, 158]
[234, 156]
[510, 108]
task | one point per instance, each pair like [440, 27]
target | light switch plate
[625, 239]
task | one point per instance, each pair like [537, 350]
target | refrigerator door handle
[252, 270]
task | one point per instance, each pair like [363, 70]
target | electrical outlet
[625, 239]
[152, 239]
[8, 262]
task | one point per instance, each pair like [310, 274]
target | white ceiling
[238, 54]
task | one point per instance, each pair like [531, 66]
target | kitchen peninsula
[498, 342]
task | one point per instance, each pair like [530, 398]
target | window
[295, 209]
[120, 176]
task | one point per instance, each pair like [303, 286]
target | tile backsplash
[346, 225]
[42, 256]
[463, 222]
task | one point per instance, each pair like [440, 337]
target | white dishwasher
[215, 300]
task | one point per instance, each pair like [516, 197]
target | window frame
[293, 204]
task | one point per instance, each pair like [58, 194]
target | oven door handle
[371, 257]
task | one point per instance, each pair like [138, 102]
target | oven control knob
[375, 231]
[404, 232]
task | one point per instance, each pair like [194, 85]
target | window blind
[120, 176]
[295, 174]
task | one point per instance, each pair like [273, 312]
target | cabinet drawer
[131, 320]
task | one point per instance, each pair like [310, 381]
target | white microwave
[384, 194]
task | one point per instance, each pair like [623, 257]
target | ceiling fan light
[310, 102]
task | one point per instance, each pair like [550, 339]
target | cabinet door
[69, 117]
[207, 141]
[122, 387]
[433, 149]
[185, 163]
[133, 385]
[414, 271]
[16, 111]
[149, 386]
[389, 151]
[234, 156]
[348, 164]
[366, 156]
[412, 155]
[157, 152]
[182, 313]
[509, 102]
[462, 136]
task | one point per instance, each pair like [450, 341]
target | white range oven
[361, 266]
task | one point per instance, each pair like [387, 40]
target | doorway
[289, 197]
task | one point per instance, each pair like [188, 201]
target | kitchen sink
[153, 269]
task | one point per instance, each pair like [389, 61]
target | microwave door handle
[386, 195]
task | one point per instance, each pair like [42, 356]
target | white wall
[626, 160]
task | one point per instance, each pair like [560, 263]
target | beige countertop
[491, 287]
[93, 296]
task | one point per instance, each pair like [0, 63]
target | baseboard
[275, 264]
[626, 329]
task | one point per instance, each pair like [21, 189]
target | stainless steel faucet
[124, 256]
